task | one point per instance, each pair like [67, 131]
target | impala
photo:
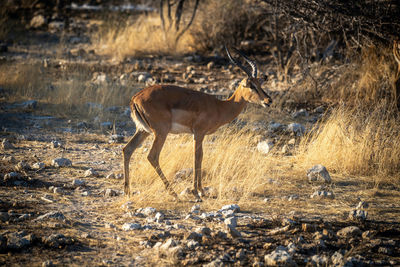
[164, 109]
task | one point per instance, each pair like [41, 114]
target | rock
[22, 165]
[192, 244]
[350, 231]
[18, 241]
[195, 207]
[210, 65]
[169, 244]
[110, 176]
[55, 144]
[116, 138]
[30, 104]
[204, 231]
[4, 216]
[61, 162]
[110, 193]
[233, 232]
[296, 128]
[131, 226]
[265, 146]
[358, 215]
[100, 78]
[56, 241]
[47, 263]
[144, 77]
[159, 217]
[234, 207]
[300, 113]
[9, 159]
[362, 205]
[194, 236]
[109, 225]
[57, 190]
[56, 26]
[147, 211]
[293, 197]
[187, 192]
[318, 173]
[51, 215]
[275, 127]
[38, 21]
[210, 192]
[319, 109]
[5, 144]
[183, 174]
[322, 194]
[12, 176]
[78, 182]
[38, 166]
[279, 257]
[231, 221]
[91, 173]
[337, 259]
[319, 260]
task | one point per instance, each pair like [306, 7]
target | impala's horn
[237, 63]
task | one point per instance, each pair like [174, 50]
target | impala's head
[251, 86]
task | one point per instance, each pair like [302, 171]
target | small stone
[322, 195]
[358, 215]
[300, 113]
[131, 226]
[183, 174]
[29, 105]
[38, 21]
[4, 216]
[350, 231]
[147, 211]
[12, 176]
[233, 232]
[51, 215]
[231, 221]
[5, 144]
[192, 244]
[18, 240]
[22, 165]
[143, 77]
[279, 257]
[195, 208]
[47, 263]
[109, 225]
[319, 173]
[265, 146]
[61, 162]
[362, 205]
[110, 193]
[55, 144]
[38, 166]
[319, 260]
[57, 190]
[91, 173]
[78, 182]
[116, 138]
[56, 241]
[110, 176]
[234, 207]
[204, 231]
[159, 217]
[296, 128]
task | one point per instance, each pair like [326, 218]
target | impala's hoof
[198, 200]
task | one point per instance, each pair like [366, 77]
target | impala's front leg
[198, 158]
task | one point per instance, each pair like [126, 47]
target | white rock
[110, 193]
[77, 182]
[319, 260]
[318, 173]
[101, 78]
[195, 207]
[5, 144]
[349, 231]
[131, 226]
[322, 194]
[296, 128]
[144, 77]
[38, 166]
[55, 144]
[279, 257]
[169, 244]
[358, 215]
[265, 146]
[192, 244]
[38, 21]
[300, 113]
[51, 215]
[147, 211]
[61, 162]
[110, 176]
[233, 207]
[91, 173]
[231, 221]
[159, 217]
[275, 126]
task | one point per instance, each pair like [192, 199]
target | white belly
[177, 128]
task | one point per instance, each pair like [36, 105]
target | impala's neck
[232, 107]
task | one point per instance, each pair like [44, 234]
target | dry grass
[355, 141]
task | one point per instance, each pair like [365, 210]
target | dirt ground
[51, 215]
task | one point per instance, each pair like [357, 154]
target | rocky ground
[60, 183]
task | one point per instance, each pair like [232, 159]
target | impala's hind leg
[133, 143]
